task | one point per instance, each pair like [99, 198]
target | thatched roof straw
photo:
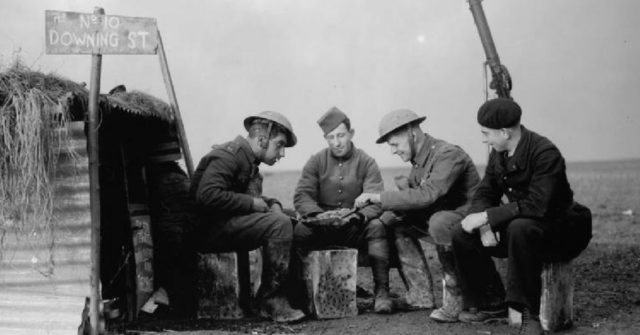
[140, 103]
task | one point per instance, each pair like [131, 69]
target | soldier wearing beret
[233, 215]
[431, 201]
[332, 179]
[541, 222]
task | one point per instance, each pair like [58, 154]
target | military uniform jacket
[443, 177]
[328, 183]
[534, 181]
[226, 181]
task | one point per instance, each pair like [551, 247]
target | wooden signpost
[97, 34]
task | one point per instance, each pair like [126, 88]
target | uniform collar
[246, 148]
[423, 152]
[519, 158]
[347, 156]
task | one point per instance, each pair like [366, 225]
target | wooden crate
[330, 277]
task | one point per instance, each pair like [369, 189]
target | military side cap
[332, 119]
[499, 113]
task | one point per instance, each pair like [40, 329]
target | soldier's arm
[214, 190]
[448, 167]
[488, 194]
[306, 193]
[548, 168]
[372, 184]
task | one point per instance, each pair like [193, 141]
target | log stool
[226, 282]
[556, 300]
[330, 278]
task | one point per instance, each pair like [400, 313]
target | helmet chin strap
[264, 146]
[412, 142]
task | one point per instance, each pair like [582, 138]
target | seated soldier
[233, 215]
[331, 180]
[435, 197]
[540, 223]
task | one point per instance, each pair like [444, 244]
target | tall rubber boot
[414, 271]
[452, 301]
[379, 260]
[273, 300]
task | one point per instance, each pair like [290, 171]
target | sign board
[82, 33]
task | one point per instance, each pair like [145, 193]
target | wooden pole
[182, 138]
[94, 187]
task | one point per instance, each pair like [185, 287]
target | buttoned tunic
[328, 182]
[541, 222]
[534, 180]
[223, 186]
[443, 177]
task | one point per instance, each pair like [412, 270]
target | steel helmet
[277, 118]
[394, 120]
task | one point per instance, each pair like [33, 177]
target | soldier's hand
[367, 198]
[353, 219]
[402, 182]
[474, 221]
[259, 205]
[488, 237]
[276, 208]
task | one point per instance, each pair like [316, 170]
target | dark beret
[332, 119]
[499, 113]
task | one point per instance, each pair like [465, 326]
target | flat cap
[332, 119]
[499, 113]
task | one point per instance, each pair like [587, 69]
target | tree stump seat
[556, 298]
[226, 282]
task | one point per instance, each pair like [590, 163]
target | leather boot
[414, 271]
[273, 302]
[379, 260]
[452, 301]
[530, 324]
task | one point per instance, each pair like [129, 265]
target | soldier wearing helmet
[232, 213]
[431, 201]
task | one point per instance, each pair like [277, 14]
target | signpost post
[97, 34]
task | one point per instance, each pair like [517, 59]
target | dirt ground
[606, 299]
[607, 275]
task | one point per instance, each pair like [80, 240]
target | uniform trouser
[246, 232]
[527, 244]
[272, 231]
[439, 227]
[348, 236]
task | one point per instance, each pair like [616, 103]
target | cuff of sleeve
[499, 216]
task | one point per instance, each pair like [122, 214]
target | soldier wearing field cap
[541, 222]
[430, 201]
[332, 179]
[233, 215]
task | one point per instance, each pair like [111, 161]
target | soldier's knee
[441, 225]
[522, 229]
[375, 229]
[280, 226]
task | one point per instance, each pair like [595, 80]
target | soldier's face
[275, 150]
[495, 138]
[339, 140]
[399, 145]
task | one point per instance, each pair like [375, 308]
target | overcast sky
[575, 66]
